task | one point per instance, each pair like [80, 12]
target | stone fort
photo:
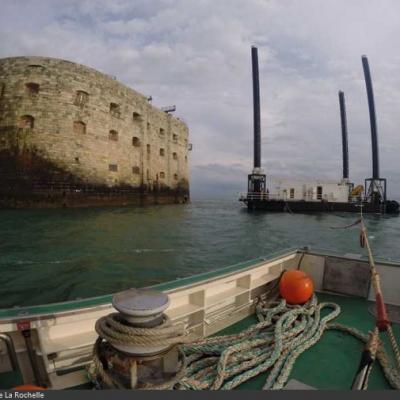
[72, 136]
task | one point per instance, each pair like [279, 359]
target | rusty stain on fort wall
[70, 135]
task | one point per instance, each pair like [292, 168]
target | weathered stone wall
[64, 122]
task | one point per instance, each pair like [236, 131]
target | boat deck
[330, 364]
[333, 361]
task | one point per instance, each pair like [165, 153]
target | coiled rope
[282, 335]
[113, 329]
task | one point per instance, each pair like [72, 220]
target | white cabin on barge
[311, 190]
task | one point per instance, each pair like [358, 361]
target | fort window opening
[175, 137]
[32, 88]
[291, 193]
[175, 156]
[162, 131]
[36, 67]
[162, 152]
[26, 122]
[185, 158]
[81, 98]
[113, 167]
[2, 89]
[136, 116]
[148, 126]
[162, 175]
[135, 170]
[319, 192]
[115, 110]
[148, 148]
[113, 135]
[176, 177]
[135, 141]
[79, 127]
[77, 160]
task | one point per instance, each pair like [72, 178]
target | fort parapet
[72, 136]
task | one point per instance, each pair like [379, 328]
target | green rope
[274, 344]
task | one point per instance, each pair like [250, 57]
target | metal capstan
[141, 308]
[138, 347]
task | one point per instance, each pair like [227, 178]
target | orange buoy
[296, 287]
[28, 387]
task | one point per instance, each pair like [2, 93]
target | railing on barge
[277, 197]
[259, 196]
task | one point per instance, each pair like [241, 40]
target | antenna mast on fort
[168, 109]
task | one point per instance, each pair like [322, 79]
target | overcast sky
[196, 54]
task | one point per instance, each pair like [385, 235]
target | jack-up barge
[320, 196]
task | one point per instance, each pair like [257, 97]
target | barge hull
[389, 207]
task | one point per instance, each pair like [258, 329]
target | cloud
[196, 54]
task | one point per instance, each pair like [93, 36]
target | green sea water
[63, 254]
